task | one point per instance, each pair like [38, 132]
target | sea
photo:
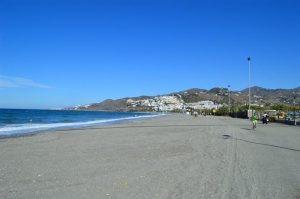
[24, 121]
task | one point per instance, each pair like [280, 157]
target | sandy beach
[174, 156]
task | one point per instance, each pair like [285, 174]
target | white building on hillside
[203, 105]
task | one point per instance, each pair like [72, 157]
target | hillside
[259, 96]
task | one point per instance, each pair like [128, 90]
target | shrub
[272, 119]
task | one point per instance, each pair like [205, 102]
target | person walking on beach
[254, 120]
[265, 118]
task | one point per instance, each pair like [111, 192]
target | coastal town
[171, 103]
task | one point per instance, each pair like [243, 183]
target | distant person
[265, 118]
[254, 120]
[195, 113]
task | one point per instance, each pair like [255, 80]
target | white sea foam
[9, 130]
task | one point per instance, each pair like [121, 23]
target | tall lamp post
[249, 84]
[295, 122]
[229, 98]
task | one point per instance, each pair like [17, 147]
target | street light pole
[229, 98]
[249, 84]
[295, 122]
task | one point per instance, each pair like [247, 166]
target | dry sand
[175, 156]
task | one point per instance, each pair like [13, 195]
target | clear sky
[56, 53]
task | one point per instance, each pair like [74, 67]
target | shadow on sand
[264, 144]
[248, 129]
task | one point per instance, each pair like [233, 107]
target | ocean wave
[16, 129]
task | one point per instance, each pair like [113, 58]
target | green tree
[224, 110]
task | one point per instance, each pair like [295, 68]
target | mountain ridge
[259, 96]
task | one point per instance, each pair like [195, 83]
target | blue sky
[64, 53]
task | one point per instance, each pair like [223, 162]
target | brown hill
[259, 96]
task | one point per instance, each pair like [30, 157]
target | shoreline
[50, 130]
